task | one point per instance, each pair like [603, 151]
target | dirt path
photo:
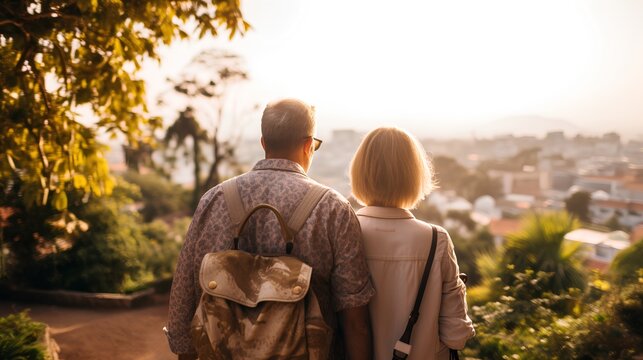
[90, 334]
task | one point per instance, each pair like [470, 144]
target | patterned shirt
[330, 241]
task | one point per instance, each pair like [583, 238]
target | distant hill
[525, 125]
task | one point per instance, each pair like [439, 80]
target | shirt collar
[279, 165]
[385, 212]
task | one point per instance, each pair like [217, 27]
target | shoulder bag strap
[233, 201]
[305, 207]
[403, 346]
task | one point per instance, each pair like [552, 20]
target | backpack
[256, 306]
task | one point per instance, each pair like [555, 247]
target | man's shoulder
[331, 196]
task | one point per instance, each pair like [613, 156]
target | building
[599, 248]
[628, 213]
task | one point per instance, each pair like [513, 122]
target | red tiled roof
[637, 233]
[502, 227]
[597, 264]
[634, 186]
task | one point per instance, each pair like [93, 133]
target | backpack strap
[305, 207]
[233, 200]
[403, 346]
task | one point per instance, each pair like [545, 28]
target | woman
[390, 174]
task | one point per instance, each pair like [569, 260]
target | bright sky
[439, 68]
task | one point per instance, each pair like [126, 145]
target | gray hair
[285, 123]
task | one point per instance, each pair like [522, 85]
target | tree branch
[18, 25]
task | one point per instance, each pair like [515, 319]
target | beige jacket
[397, 247]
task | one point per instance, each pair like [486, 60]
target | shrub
[525, 322]
[627, 264]
[610, 328]
[103, 257]
[160, 196]
[20, 338]
[117, 253]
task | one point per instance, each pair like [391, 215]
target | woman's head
[390, 168]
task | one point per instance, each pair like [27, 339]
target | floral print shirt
[330, 241]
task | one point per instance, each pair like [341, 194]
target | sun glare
[465, 62]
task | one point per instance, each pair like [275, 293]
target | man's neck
[284, 157]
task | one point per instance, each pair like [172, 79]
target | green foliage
[578, 205]
[628, 263]
[101, 259]
[523, 314]
[541, 245]
[609, 328]
[160, 196]
[162, 248]
[518, 162]
[463, 217]
[469, 184]
[523, 323]
[529, 322]
[58, 57]
[20, 338]
[116, 253]
[469, 249]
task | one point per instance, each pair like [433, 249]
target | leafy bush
[627, 265]
[160, 196]
[525, 322]
[104, 256]
[117, 253]
[469, 249]
[20, 338]
[529, 322]
[611, 328]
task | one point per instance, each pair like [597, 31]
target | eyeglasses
[316, 142]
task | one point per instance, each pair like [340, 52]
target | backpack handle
[282, 223]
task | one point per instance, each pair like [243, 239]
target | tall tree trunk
[213, 175]
[196, 193]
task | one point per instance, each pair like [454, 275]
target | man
[330, 240]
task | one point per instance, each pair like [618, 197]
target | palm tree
[628, 263]
[184, 127]
[541, 246]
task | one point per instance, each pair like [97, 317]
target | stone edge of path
[51, 346]
[85, 299]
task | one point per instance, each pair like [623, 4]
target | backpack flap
[249, 279]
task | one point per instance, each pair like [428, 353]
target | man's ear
[308, 146]
[263, 144]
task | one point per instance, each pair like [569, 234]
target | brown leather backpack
[260, 307]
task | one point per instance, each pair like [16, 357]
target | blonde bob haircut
[391, 169]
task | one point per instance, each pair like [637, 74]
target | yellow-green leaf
[59, 201]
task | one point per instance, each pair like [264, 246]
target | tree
[527, 157]
[451, 175]
[541, 245]
[627, 264]
[183, 128]
[61, 57]
[578, 205]
[449, 172]
[204, 86]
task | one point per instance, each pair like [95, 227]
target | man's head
[288, 130]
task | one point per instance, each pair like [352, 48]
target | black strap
[415, 313]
